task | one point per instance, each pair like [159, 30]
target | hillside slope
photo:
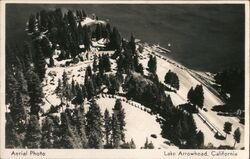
[188, 78]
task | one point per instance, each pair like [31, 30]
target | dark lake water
[203, 37]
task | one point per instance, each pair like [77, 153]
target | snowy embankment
[189, 78]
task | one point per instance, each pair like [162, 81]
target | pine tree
[151, 145]
[73, 89]
[106, 63]
[84, 91]
[108, 29]
[168, 77]
[79, 99]
[43, 20]
[200, 139]
[237, 135]
[87, 37]
[132, 44]
[101, 65]
[120, 113]
[172, 79]
[227, 128]
[132, 144]
[199, 96]
[88, 72]
[47, 133]
[80, 33]
[95, 64]
[32, 23]
[35, 92]
[40, 62]
[80, 125]
[196, 96]
[146, 144]
[113, 84]
[190, 95]
[107, 126]
[71, 19]
[22, 82]
[67, 92]
[51, 62]
[98, 80]
[140, 69]
[98, 32]
[20, 102]
[27, 55]
[68, 138]
[152, 64]
[91, 91]
[12, 139]
[94, 126]
[11, 87]
[66, 88]
[78, 14]
[33, 133]
[116, 131]
[59, 89]
[18, 113]
[176, 82]
[64, 79]
[84, 14]
[115, 39]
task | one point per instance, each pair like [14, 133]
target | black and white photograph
[134, 76]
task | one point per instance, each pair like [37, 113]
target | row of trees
[23, 95]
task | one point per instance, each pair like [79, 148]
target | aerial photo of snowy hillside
[93, 76]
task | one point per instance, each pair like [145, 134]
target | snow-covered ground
[139, 124]
[189, 78]
[89, 21]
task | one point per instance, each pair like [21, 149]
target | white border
[62, 153]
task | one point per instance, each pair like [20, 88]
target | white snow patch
[139, 124]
